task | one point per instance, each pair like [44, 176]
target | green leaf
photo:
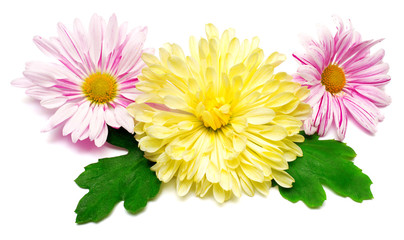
[326, 163]
[125, 178]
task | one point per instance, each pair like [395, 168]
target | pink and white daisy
[93, 82]
[344, 80]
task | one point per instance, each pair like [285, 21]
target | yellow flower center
[214, 112]
[333, 78]
[100, 88]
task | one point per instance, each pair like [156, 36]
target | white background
[37, 192]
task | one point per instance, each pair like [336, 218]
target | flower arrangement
[219, 119]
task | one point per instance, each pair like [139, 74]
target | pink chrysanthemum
[94, 81]
[343, 78]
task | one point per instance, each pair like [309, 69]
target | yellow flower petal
[160, 132]
[149, 144]
[175, 102]
[177, 66]
[260, 116]
[275, 59]
[281, 99]
[150, 59]
[274, 133]
[283, 179]
[183, 187]
[218, 193]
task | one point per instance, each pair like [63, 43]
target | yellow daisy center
[100, 88]
[214, 112]
[333, 78]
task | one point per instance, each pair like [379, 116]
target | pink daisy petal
[85, 134]
[112, 34]
[96, 123]
[74, 122]
[63, 113]
[96, 35]
[362, 113]
[326, 40]
[366, 62]
[361, 51]
[327, 115]
[102, 137]
[47, 47]
[110, 118]
[81, 131]
[22, 82]
[379, 69]
[124, 119]
[51, 103]
[132, 52]
[68, 43]
[40, 79]
[374, 94]
[340, 118]
[318, 111]
[309, 128]
[41, 93]
[130, 93]
[309, 73]
[316, 93]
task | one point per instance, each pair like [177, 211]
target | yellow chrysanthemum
[219, 118]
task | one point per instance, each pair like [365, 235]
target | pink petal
[309, 73]
[69, 43]
[53, 70]
[85, 134]
[340, 26]
[343, 45]
[74, 122]
[110, 118]
[122, 34]
[340, 118]
[315, 58]
[96, 123]
[376, 80]
[149, 50]
[124, 119]
[96, 35]
[51, 103]
[374, 94]
[327, 115]
[102, 137]
[316, 92]
[63, 113]
[82, 44]
[47, 47]
[22, 83]
[327, 41]
[306, 41]
[40, 93]
[82, 131]
[40, 79]
[112, 34]
[359, 51]
[297, 78]
[130, 93]
[131, 53]
[365, 63]
[309, 129]
[362, 113]
[318, 111]
[378, 69]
